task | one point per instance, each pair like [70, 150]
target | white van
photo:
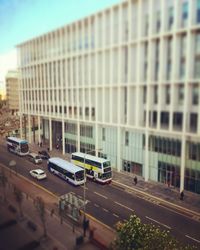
[34, 158]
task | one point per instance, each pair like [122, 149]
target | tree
[3, 182]
[19, 199]
[40, 206]
[133, 234]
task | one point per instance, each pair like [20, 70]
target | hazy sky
[21, 20]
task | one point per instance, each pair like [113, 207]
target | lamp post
[85, 222]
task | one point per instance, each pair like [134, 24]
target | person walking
[135, 180]
[181, 195]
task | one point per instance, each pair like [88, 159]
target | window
[158, 21]
[146, 28]
[198, 11]
[103, 134]
[177, 120]
[86, 131]
[171, 17]
[197, 43]
[167, 94]
[193, 122]
[155, 94]
[180, 94]
[184, 14]
[164, 119]
[195, 94]
[144, 94]
[154, 118]
[126, 138]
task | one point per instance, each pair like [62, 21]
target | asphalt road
[109, 203]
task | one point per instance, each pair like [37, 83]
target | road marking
[101, 195]
[96, 205]
[124, 206]
[105, 209]
[158, 222]
[116, 215]
[198, 241]
[178, 207]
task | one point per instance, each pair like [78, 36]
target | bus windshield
[79, 175]
[106, 175]
[106, 164]
[24, 147]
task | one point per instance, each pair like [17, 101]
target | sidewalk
[60, 232]
[161, 193]
[154, 190]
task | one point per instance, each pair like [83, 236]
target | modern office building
[124, 80]
[12, 90]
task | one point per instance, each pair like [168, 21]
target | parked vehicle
[39, 174]
[34, 158]
[43, 154]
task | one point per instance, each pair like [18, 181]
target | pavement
[60, 232]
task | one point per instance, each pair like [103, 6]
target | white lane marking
[116, 215]
[192, 238]
[124, 206]
[158, 222]
[101, 195]
[105, 210]
[96, 205]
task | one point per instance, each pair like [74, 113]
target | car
[43, 154]
[39, 174]
[33, 157]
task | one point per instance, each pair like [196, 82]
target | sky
[21, 20]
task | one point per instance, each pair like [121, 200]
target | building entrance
[169, 174]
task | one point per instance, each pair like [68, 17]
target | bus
[17, 146]
[98, 169]
[66, 170]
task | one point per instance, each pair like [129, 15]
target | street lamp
[85, 223]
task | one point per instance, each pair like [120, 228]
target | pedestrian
[52, 212]
[135, 180]
[181, 195]
[40, 144]
[48, 149]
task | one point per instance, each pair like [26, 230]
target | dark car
[43, 154]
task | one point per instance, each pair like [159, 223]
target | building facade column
[182, 171]
[39, 130]
[146, 162]
[29, 129]
[63, 137]
[50, 134]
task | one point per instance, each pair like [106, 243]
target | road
[109, 203]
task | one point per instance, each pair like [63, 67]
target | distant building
[2, 90]
[12, 90]
[126, 80]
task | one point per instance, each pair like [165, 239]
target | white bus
[17, 146]
[66, 170]
[98, 169]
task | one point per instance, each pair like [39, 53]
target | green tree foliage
[19, 199]
[133, 234]
[40, 206]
